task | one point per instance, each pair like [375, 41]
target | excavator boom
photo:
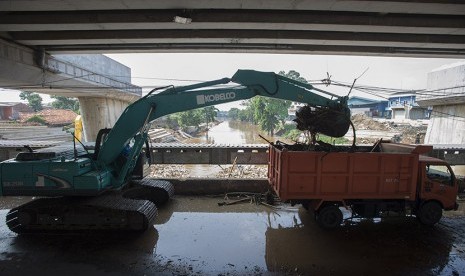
[94, 191]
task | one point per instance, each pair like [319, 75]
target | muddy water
[195, 236]
[232, 132]
[226, 133]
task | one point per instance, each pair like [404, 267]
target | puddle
[195, 236]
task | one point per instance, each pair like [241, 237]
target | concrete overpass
[102, 85]
[433, 28]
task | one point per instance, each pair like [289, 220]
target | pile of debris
[169, 171]
[407, 134]
[230, 171]
[243, 171]
[361, 121]
[52, 117]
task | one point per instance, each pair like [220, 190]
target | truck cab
[438, 183]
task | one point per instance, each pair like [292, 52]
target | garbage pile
[333, 122]
[407, 134]
[229, 171]
[361, 121]
[169, 171]
[243, 171]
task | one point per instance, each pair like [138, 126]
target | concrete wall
[447, 125]
[449, 76]
[99, 64]
[446, 93]
[98, 113]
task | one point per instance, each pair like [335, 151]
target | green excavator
[78, 190]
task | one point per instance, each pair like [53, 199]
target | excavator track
[110, 212]
[156, 191]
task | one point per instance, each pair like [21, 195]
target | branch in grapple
[332, 122]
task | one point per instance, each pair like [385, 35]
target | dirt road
[195, 236]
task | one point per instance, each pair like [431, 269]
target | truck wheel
[329, 217]
[430, 213]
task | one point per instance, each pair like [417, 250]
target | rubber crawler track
[75, 214]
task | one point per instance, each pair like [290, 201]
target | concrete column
[98, 113]
[447, 125]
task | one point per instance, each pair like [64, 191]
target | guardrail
[177, 153]
[168, 153]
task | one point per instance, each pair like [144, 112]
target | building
[11, 110]
[369, 107]
[403, 105]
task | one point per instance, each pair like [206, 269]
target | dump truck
[370, 181]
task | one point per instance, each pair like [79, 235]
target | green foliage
[34, 100]
[269, 113]
[210, 113]
[292, 134]
[233, 113]
[246, 115]
[293, 75]
[333, 140]
[195, 117]
[37, 119]
[65, 103]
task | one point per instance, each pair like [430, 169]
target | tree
[34, 100]
[192, 117]
[61, 102]
[293, 75]
[210, 113]
[233, 113]
[246, 115]
[269, 113]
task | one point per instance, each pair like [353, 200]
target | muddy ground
[195, 236]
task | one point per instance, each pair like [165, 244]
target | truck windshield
[439, 173]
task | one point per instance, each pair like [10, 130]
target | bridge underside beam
[396, 28]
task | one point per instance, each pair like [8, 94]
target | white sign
[203, 99]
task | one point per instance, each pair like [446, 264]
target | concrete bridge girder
[446, 125]
[102, 99]
[446, 94]
[98, 113]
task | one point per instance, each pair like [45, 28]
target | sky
[159, 69]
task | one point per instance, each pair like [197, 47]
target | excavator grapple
[330, 121]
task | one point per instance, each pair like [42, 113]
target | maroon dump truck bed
[389, 174]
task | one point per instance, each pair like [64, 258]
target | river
[233, 132]
[226, 133]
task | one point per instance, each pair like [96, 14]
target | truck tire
[430, 213]
[329, 217]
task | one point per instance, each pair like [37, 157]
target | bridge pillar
[98, 113]
[446, 95]
[446, 125]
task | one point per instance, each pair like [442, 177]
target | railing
[177, 153]
[174, 153]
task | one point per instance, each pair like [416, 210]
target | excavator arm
[134, 123]
[76, 186]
